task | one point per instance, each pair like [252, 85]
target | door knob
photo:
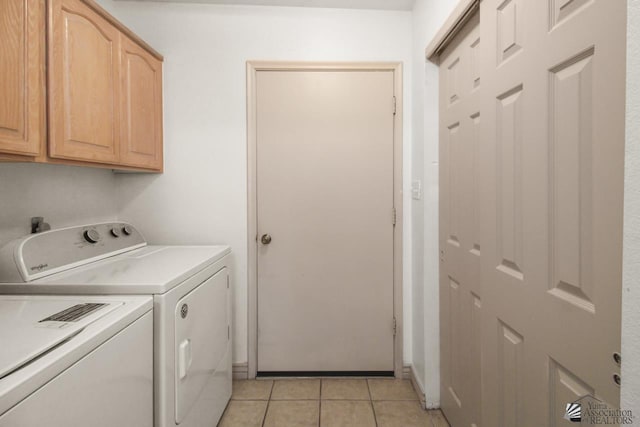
[265, 239]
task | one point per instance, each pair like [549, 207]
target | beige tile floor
[327, 403]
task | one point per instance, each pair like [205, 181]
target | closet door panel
[460, 242]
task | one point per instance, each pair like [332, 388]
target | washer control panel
[49, 252]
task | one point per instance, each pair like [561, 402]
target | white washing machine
[76, 361]
[191, 304]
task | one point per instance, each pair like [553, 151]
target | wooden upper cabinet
[22, 116]
[102, 90]
[84, 73]
[141, 107]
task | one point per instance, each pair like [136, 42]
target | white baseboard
[433, 405]
[408, 373]
[240, 371]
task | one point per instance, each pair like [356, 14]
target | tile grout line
[320, 404]
[373, 409]
[345, 400]
[264, 417]
[433, 420]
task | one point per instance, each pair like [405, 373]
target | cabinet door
[84, 72]
[141, 107]
[22, 121]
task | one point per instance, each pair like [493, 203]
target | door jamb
[253, 67]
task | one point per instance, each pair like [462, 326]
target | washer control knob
[91, 236]
[115, 232]
[127, 230]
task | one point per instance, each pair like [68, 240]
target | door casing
[253, 67]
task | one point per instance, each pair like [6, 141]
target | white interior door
[325, 194]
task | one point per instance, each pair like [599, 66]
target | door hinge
[227, 281]
[395, 108]
[395, 326]
[228, 332]
[393, 216]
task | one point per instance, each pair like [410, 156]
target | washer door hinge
[395, 326]
[395, 108]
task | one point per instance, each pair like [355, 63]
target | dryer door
[201, 339]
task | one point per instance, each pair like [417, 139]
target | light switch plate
[416, 189]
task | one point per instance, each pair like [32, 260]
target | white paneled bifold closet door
[532, 156]
[460, 285]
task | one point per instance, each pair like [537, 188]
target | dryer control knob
[115, 232]
[91, 236]
[127, 230]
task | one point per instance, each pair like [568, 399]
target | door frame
[253, 67]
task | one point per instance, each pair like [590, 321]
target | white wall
[417, 204]
[201, 197]
[630, 398]
[109, 6]
[428, 17]
[64, 195]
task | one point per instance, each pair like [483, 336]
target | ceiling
[340, 4]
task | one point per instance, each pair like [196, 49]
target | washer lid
[30, 328]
